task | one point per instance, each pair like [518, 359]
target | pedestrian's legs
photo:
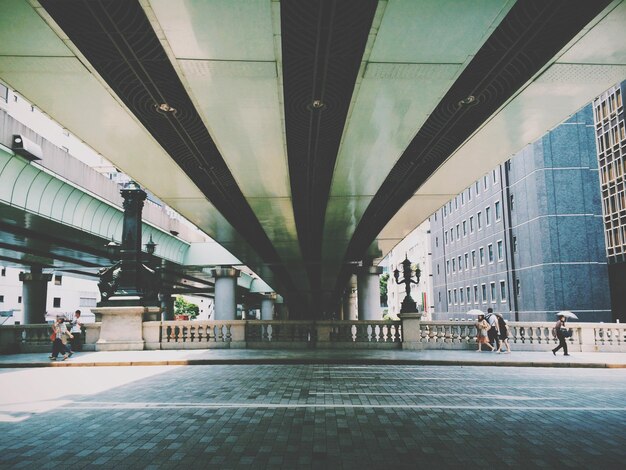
[77, 344]
[563, 342]
[57, 348]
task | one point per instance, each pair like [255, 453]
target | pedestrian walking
[59, 338]
[560, 332]
[494, 330]
[77, 333]
[482, 337]
[504, 334]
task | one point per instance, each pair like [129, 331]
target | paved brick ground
[312, 416]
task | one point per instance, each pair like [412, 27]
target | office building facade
[526, 239]
[610, 133]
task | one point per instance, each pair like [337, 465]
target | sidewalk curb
[313, 361]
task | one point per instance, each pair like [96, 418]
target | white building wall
[70, 293]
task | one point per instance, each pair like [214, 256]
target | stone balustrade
[255, 334]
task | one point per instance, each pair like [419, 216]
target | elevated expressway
[58, 214]
[309, 136]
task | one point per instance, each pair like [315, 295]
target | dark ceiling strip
[323, 42]
[117, 39]
[531, 34]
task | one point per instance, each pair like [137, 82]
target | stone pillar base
[121, 328]
[411, 334]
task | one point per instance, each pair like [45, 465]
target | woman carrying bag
[482, 337]
[59, 340]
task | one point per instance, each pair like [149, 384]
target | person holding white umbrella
[482, 326]
[561, 332]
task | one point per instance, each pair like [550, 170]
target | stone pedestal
[368, 291]
[225, 293]
[121, 328]
[411, 334]
[34, 294]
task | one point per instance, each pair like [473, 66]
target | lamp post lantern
[408, 304]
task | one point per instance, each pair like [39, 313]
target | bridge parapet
[255, 334]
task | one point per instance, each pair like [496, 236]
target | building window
[445, 211]
[518, 287]
[498, 211]
[437, 268]
[435, 217]
[1, 299]
[485, 182]
[514, 244]
[493, 292]
[19, 299]
[3, 272]
[453, 265]
[465, 228]
[500, 251]
[477, 187]
[439, 296]
[490, 252]
[58, 280]
[451, 236]
[448, 266]
[455, 298]
[473, 258]
[511, 202]
[458, 232]
[4, 93]
[91, 302]
[449, 296]
[469, 193]
[463, 199]
[460, 264]
[494, 176]
[479, 220]
[502, 291]
[445, 237]
[484, 292]
[488, 216]
[437, 241]
[456, 202]
[466, 261]
[461, 296]
[467, 292]
[471, 220]
[56, 302]
[481, 256]
[475, 294]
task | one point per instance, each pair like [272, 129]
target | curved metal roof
[308, 135]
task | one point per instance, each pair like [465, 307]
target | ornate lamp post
[129, 281]
[408, 304]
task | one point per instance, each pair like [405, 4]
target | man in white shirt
[494, 331]
[77, 332]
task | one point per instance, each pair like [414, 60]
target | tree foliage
[384, 279]
[182, 307]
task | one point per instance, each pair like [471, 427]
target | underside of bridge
[308, 136]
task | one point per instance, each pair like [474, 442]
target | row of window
[56, 301]
[467, 194]
[463, 296]
[470, 225]
[609, 106]
[469, 259]
[613, 136]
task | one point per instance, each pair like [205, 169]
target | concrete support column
[167, 307]
[34, 295]
[267, 306]
[368, 291]
[225, 293]
[350, 300]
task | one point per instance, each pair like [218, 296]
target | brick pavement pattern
[323, 417]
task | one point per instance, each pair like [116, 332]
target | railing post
[238, 334]
[411, 334]
[587, 338]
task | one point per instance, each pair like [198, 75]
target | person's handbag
[53, 336]
[566, 333]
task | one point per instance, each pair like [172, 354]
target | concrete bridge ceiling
[307, 135]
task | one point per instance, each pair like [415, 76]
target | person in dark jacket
[559, 332]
